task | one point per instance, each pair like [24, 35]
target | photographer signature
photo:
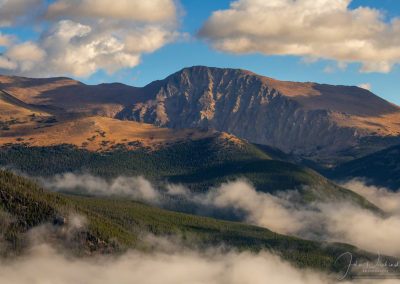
[377, 267]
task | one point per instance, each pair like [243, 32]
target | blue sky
[183, 53]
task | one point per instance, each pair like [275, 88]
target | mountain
[379, 169]
[319, 122]
[324, 123]
[93, 133]
[114, 225]
[198, 128]
[12, 109]
[199, 163]
[41, 143]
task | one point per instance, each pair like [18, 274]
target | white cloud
[133, 187]
[334, 221]
[80, 50]
[12, 11]
[260, 208]
[170, 262]
[142, 11]
[6, 64]
[86, 36]
[362, 228]
[384, 198]
[326, 29]
[366, 86]
[24, 56]
[5, 40]
[45, 265]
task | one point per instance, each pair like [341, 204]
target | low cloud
[335, 222]
[238, 200]
[44, 265]
[323, 29]
[262, 209]
[342, 222]
[133, 187]
[65, 229]
[384, 198]
[168, 262]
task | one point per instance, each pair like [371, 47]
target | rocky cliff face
[252, 107]
[320, 122]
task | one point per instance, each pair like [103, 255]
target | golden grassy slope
[96, 134]
[12, 109]
[349, 106]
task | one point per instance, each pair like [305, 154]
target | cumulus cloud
[5, 40]
[326, 29]
[23, 56]
[143, 11]
[84, 36]
[14, 11]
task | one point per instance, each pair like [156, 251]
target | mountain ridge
[316, 121]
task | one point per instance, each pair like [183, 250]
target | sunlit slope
[198, 164]
[93, 133]
[324, 123]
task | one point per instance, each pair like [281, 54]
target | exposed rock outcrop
[316, 121]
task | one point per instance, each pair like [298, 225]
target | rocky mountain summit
[306, 119]
[324, 123]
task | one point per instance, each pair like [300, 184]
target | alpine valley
[209, 156]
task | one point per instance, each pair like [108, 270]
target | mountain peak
[337, 98]
[310, 119]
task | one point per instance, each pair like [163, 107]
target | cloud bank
[44, 265]
[313, 29]
[335, 221]
[83, 36]
[168, 262]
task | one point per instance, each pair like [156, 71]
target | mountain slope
[320, 122]
[45, 145]
[328, 124]
[13, 111]
[93, 133]
[380, 169]
[198, 164]
[67, 95]
[114, 225]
